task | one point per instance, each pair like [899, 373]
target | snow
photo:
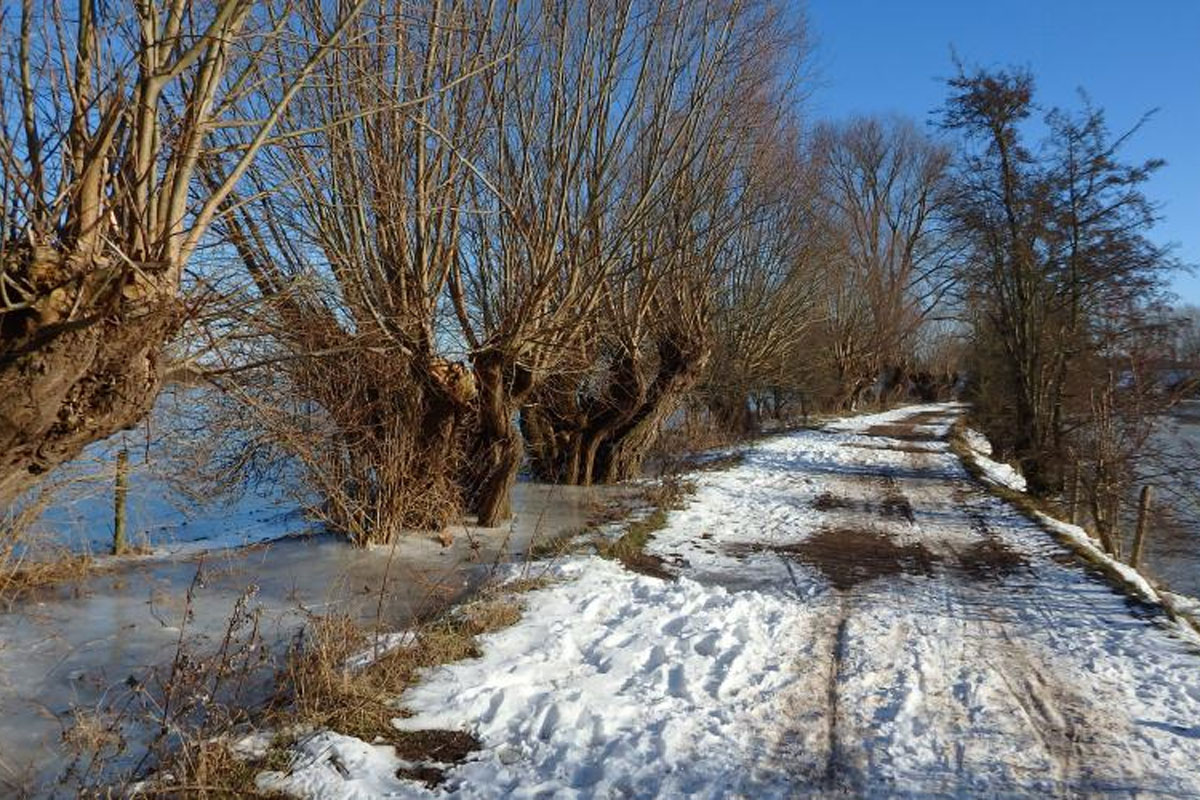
[995, 472]
[328, 764]
[616, 683]
[977, 442]
[75, 648]
[770, 670]
[1081, 540]
[860, 423]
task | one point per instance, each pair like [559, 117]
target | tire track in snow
[836, 775]
[1079, 736]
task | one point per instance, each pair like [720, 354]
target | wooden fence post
[120, 494]
[1075, 494]
[1139, 536]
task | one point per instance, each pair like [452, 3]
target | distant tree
[1059, 279]
[770, 300]
[883, 184]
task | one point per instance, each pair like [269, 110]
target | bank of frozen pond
[76, 647]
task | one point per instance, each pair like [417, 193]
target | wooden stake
[119, 496]
[1075, 495]
[1139, 536]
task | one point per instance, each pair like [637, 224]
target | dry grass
[26, 563]
[719, 463]
[322, 692]
[661, 498]
[20, 577]
[668, 493]
[653, 501]
[557, 546]
[211, 770]
[89, 732]
[321, 689]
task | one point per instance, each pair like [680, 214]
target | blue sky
[893, 56]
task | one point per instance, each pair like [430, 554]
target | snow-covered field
[853, 616]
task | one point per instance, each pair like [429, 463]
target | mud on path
[955, 650]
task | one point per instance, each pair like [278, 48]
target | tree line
[418, 246]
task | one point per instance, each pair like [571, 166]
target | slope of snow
[1139, 584]
[614, 684]
[995, 472]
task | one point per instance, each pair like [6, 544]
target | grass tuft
[22, 577]
[630, 548]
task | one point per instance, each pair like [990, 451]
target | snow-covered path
[854, 617]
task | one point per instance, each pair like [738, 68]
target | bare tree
[883, 183]
[107, 112]
[771, 297]
[607, 124]
[652, 340]
[352, 254]
[1060, 277]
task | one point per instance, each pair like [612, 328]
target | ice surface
[74, 646]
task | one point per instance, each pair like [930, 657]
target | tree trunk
[65, 386]
[496, 455]
[734, 416]
[681, 363]
[552, 425]
[393, 465]
[565, 434]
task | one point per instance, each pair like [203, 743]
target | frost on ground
[853, 616]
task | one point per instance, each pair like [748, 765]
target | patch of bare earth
[427, 748]
[904, 432]
[850, 556]
[991, 559]
[828, 501]
[895, 505]
[899, 448]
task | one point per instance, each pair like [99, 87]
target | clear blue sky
[893, 56]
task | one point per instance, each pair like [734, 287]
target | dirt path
[964, 652]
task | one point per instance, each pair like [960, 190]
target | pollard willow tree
[108, 111]
[769, 303]
[883, 185]
[350, 258]
[601, 124]
[649, 339]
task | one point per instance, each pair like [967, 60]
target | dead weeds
[322, 692]
[21, 577]
[663, 497]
